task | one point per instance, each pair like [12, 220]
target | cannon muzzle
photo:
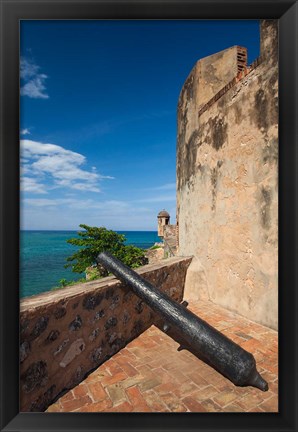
[223, 354]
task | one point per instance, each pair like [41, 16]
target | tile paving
[150, 375]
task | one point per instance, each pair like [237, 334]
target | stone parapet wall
[240, 75]
[66, 334]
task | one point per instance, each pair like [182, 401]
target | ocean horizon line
[44, 253]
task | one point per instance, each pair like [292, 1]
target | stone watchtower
[163, 219]
[168, 233]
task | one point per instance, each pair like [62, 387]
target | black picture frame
[11, 12]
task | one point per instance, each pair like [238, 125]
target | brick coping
[241, 74]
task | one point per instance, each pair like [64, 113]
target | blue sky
[98, 106]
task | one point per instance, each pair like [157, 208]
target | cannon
[228, 358]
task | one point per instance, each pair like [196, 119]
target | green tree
[94, 240]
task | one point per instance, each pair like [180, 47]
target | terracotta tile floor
[150, 375]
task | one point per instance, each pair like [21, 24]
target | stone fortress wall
[227, 179]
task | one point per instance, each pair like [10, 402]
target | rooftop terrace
[150, 375]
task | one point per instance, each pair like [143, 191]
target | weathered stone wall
[170, 240]
[227, 187]
[155, 255]
[207, 78]
[66, 334]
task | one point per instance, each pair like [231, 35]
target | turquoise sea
[43, 255]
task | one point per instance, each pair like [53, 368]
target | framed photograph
[91, 92]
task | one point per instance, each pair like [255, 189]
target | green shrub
[94, 240]
[155, 247]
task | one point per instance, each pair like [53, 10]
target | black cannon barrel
[222, 353]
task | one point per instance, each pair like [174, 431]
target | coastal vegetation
[64, 282]
[93, 240]
[156, 246]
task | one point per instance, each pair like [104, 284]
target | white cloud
[33, 84]
[41, 202]
[25, 169]
[35, 88]
[58, 166]
[69, 213]
[31, 148]
[29, 184]
[28, 69]
[85, 187]
[109, 206]
[25, 132]
[105, 207]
